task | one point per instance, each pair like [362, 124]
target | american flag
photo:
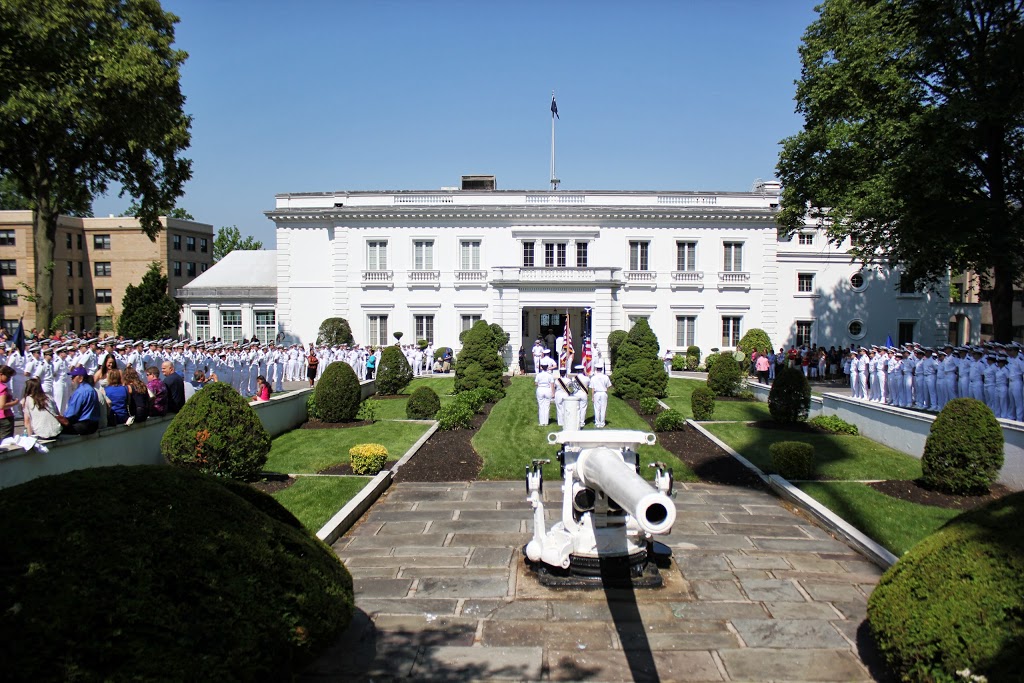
[588, 356]
[565, 354]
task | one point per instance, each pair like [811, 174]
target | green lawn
[679, 391]
[896, 524]
[314, 500]
[837, 457]
[511, 437]
[307, 451]
[394, 408]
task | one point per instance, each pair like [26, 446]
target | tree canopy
[148, 310]
[913, 138]
[335, 331]
[89, 96]
[229, 238]
[177, 212]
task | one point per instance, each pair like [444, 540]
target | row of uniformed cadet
[558, 386]
[920, 377]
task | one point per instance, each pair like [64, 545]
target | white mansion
[702, 267]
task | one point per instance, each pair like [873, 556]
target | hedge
[792, 459]
[702, 404]
[964, 450]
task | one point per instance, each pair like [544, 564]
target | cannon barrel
[603, 469]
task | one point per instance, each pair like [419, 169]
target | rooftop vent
[479, 182]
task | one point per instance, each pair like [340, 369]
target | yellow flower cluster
[367, 458]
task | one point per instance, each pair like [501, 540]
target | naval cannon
[609, 513]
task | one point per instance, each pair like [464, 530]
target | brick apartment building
[95, 259]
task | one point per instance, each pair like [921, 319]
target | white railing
[686, 200]
[424, 275]
[558, 274]
[378, 275]
[641, 275]
[424, 199]
[555, 199]
[733, 278]
[470, 275]
[687, 275]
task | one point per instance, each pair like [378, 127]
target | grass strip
[314, 500]
[394, 408]
[307, 451]
[680, 389]
[836, 456]
[896, 524]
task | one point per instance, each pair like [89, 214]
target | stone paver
[442, 593]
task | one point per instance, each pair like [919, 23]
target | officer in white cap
[545, 383]
[584, 383]
[600, 383]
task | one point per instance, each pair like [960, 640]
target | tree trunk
[1002, 303]
[44, 230]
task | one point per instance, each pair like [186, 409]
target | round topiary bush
[724, 375]
[754, 339]
[338, 394]
[789, 399]
[367, 458]
[692, 358]
[649, 405]
[956, 600]
[393, 371]
[702, 403]
[423, 404]
[669, 420]
[334, 331]
[152, 573]
[964, 450]
[792, 459]
[217, 432]
[455, 415]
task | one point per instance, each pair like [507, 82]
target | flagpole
[554, 112]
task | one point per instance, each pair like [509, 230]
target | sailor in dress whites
[561, 392]
[584, 392]
[545, 383]
[538, 355]
[1002, 386]
[1015, 368]
[599, 385]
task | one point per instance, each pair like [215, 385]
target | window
[638, 255]
[550, 319]
[176, 242]
[803, 332]
[907, 285]
[79, 244]
[805, 238]
[582, 255]
[8, 267]
[231, 325]
[190, 269]
[856, 329]
[733, 257]
[377, 330]
[857, 281]
[101, 269]
[554, 254]
[203, 267]
[469, 320]
[67, 240]
[377, 255]
[423, 255]
[266, 326]
[805, 283]
[905, 332]
[686, 327]
[204, 245]
[190, 243]
[202, 325]
[686, 256]
[104, 296]
[470, 254]
[101, 241]
[177, 268]
[7, 238]
[528, 255]
[731, 330]
[9, 297]
[11, 327]
[71, 297]
[71, 269]
[81, 300]
[81, 269]
[424, 325]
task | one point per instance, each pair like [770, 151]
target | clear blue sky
[376, 95]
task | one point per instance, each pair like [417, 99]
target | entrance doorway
[547, 324]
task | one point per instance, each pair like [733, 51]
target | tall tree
[148, 310]
[229, 238]
[89, 96]
[134, 209]
[10, 198]
[913, 138]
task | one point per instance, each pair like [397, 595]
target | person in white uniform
[545, 384]
[600, 383]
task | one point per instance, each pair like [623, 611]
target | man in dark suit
[175, 388]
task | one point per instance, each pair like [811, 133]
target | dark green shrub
[709, 362]
[455, 415]
[422, 344]
[649, 405]
[754, 339]
[669, 420]
[217, 432]
[334, 331]
[964, 451]
[789, 399]
[393, 371]
[792, 459]
[746, 395]
[956, 600]
[702, 403]
[489, 395]
[614, 340]
[678, 362]
[471, 399]
[153, 573]
[480, 361]
[423, 404]
[833, 424]
[638, 371]
[312, 413]
[692, 358]
[724, 377]
[367, 411]
[337, 394]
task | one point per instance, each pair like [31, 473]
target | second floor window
[377, 255]
[67, 240]
[805, 283]
[190, 243]
[554, 254]
[7, 238]
[190, 269]
[470, 256]
[8, 267]
[101, 241]
[732, 261]
[638, 255]
[177, 268]
[423, 255]
[582, 256]
[686, 256]
[9, 297]
[176, 242]
[104, 296]
[806, 238]
[101, 269]
[204, 245]
[528, 255]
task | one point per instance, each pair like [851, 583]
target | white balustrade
[424, 275]
[733, 278]
[470, 275]
[378, 275]
[687, 275]
[641, 275]
[685, 200]
[424, 199]
[555, 199]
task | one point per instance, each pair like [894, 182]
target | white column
[248, 320]
[215, 326]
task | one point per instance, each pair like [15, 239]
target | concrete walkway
[755, 593]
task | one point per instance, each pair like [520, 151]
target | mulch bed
[446, 456]
[317, 424]
[273, 484]
[913, 491]
[346, 468]
[795, 427]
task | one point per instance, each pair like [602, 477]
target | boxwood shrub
[649, 405]
[964, 451]
[692, 357]
[455, 415]
[152, 573]
[423, 404]
[367, 458]
[678, 362]
[702, 403]
[792, 459]
[337, 393]
[669, 420]
[724, 375]
[833, 424]
[789, 399]
[217, 432]
[956, 600]
[393, 371]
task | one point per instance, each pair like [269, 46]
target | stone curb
[344, 518]
[830, 520]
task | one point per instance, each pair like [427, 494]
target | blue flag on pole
[19, 338]
[888, 340]
[554, 108]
